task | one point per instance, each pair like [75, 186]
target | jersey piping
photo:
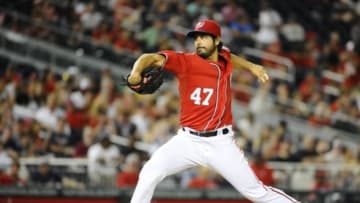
[222, 114]
[217, 95]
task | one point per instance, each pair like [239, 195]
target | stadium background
[60, 97]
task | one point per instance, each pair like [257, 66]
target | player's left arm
[255, 69]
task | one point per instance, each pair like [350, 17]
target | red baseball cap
[206, 26]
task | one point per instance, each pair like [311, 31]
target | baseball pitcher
[205, 137]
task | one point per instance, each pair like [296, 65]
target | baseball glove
[152, 79]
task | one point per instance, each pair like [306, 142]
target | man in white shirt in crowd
[103, 159]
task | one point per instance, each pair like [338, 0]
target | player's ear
[217, 41]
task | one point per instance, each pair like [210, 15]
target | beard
[204, 52]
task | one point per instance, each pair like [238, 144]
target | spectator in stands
[74, 40]
[18, 174]
[336, 153]
[269, 21]
[283, 102]
[44, 175]
[126, 43]
[5, 162]
[105, 96]
[349, 62]
[344, 179]
[31, 92]
[102, 34]
[158, 134]
[321, 182]
[355, 34]
[58, 143]
[299, 108]
[321, 114]
[276, 49]
[8, 85]
[307, 148]
[103, 160]
[357, 180]
[242, 31]
[262, 170]
[77, 105]
[313, 197]
[322, 147]
[285, 133]
[100, 122]
[308, 86]
[129, 174]
[262, 102]
[88, 138]
[242, 25]
[151, 35]
[126, 128]
[90, 18]
[49, 81]
[302, 179]
[242, 80]
[8, 140]
[5, 179]
[350, 155]
[343, 17]
[25, 141]
[294, 34]
[248, 126]
[231, 11]
[78, 102]
[122, 10]
[47, 116]
[261, 142]
[202, 180]
[284, 153]
[345, 114]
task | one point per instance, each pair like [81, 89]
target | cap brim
[192, 34]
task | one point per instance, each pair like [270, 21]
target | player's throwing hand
[260, 73]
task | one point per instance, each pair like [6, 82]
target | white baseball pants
[219, 153]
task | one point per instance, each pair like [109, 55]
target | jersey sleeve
[173, 61]
[226, 53]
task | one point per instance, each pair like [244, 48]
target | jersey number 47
[196, 96]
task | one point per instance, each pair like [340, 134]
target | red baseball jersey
[204, 88]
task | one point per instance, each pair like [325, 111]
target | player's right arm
[145, 60]
[256, 69]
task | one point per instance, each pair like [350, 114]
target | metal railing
[26, 49]
[86, 46]
[284, 166]
[54, 29]
[288, 75]
[298, 126]
[77, 166]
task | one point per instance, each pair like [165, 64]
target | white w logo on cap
[199, 25]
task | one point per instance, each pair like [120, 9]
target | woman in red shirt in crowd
[129, 175]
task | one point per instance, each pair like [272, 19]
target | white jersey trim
[217, 95]
[165, 61]
[222, 114]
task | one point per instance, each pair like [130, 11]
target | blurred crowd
[322, 40]
[75, 113]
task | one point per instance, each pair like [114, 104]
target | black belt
[208, 133]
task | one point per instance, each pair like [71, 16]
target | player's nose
[197, 41]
